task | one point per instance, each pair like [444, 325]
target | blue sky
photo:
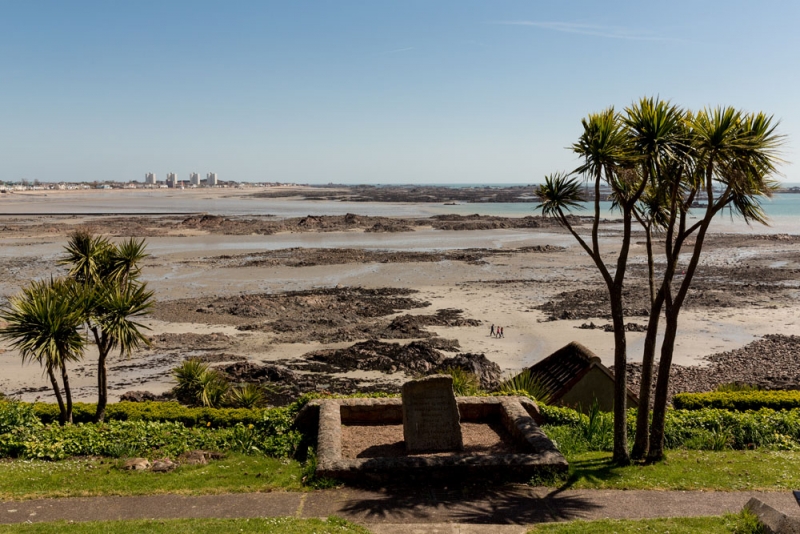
[369, 91]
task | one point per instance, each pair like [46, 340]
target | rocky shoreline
[772, 362]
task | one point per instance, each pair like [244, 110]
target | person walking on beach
[491, 331]
[500, 328]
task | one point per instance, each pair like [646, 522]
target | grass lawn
[683, 470]
[31, 479]
[276, 525]
[691, 470]
[727, 524]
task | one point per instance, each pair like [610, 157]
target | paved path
[404, 510]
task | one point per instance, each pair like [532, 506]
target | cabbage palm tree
[43, 323]
[735, 156]
[605, 147]
[111, 296]
[112, 317]
[657, 133]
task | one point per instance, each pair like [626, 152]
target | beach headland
[329, 297]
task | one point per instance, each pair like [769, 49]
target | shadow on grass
[594, 470]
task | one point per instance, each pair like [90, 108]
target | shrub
[527, 383]
[465, 384]
[707, 429]
[154, 411]
[14, 414]
[199, 385]
[262, 431]
[246, 396]
[738, 400]
[732, 387]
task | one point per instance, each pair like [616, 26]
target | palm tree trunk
[651, 271]
[621, 455]
[62, 410]
[656, 452]
[642, 442]
[67, 392]
[102, 389]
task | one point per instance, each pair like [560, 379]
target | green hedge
[740, 401]
[24, 435]
[706, 429]
[155, 411]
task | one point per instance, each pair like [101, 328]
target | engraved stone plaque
[430, 415]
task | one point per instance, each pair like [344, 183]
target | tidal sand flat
[325, 294]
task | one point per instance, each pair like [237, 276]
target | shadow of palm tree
[475, 503]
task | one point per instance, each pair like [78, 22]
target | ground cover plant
[23, 435]
[704, 429]
[270, 525]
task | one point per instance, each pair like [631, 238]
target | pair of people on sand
[496, 331]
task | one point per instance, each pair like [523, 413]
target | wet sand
[517, 277]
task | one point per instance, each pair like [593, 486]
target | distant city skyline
[409, 92]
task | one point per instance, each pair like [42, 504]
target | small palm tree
[246, 396]
[111, 296]
[606, 148]
[112, 321]
[43, 323]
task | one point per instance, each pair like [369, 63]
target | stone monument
[430, 415]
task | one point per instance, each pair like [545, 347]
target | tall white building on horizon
[194, 178]
[211, 179]
[172, 179]
[150, 178]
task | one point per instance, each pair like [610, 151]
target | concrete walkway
[508, 509]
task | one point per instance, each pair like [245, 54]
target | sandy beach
[291, 280]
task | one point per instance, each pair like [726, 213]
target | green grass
[78, 477]
[728, 524]
[683, 470]
[276, 525]
[690, 470]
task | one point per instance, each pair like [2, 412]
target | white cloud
[596, 30]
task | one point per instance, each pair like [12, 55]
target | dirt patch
[377, 441]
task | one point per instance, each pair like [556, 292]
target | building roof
[560, 371]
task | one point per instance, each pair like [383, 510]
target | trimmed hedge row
[155, 411]
[706, 428]
[24, 435]
[739, 401]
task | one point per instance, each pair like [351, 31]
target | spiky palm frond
[656, 130]
[124, 259]
[246, 396]
[43, 323]
[558, 194]
[213, 389]
[604, 144]
[86, 254]
[740, 151]
[527, 382]
[115, 310]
